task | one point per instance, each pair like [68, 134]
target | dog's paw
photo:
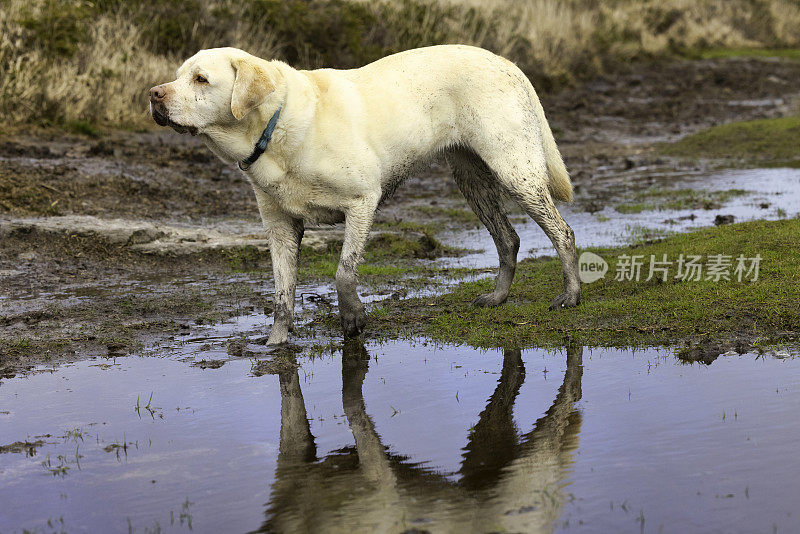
[353, 322]
[566, 300]
[489, 300]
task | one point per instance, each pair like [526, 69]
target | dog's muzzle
[161, 114]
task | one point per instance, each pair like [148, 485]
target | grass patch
[389, 255]
[678, 199]
[642, 235]
[457, 215]
[771, 141]
[246, 258]
[626, 313]
[82, 127]
[324, 267]
[636, 207]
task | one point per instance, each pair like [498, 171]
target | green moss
[379, 312]
[389, 257]
[625, 313]
[246, 258]
[638, 234]
[82, 127]
[678, 199]
[634, 208]
[374, 268]
[391, 253]
[323, 348]
[406, 226]
[458, 215]
[322, 266]
[771, 140]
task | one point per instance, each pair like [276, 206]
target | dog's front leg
[358, 222]
[285, 233]
[284, 245]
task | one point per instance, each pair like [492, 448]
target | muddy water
[403, 436]
[771, 194]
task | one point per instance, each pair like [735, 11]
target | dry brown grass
[103, 81]
[562, 37]
[74, 60]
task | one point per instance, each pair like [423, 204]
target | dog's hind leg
[479, 186]
[539, 205]
[520, 167]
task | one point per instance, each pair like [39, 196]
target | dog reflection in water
[507, 482]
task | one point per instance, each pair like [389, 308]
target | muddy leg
[357, 225]
[540, 207]
[480, 187]
[285, 234]
[526, 179]
[284, 249]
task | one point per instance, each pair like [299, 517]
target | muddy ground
[111, 242]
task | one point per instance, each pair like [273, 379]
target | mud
[108, 244]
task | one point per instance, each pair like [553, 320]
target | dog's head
[218, 86]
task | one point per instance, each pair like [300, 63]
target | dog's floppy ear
[252, 86]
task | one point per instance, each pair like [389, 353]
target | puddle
[403, 436]
[779, 189]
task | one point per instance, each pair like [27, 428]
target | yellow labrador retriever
[327, 146]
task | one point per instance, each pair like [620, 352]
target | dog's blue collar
[263, 141]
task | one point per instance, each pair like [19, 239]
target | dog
[328, 146]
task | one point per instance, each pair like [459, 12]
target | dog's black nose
[157, 94]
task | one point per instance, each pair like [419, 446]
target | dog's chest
[300, 197]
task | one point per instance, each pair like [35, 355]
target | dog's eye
[200, 79]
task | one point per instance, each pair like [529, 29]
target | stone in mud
[719, 220]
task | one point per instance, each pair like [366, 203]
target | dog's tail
[559, 183]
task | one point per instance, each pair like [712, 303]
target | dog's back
[431, 99]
